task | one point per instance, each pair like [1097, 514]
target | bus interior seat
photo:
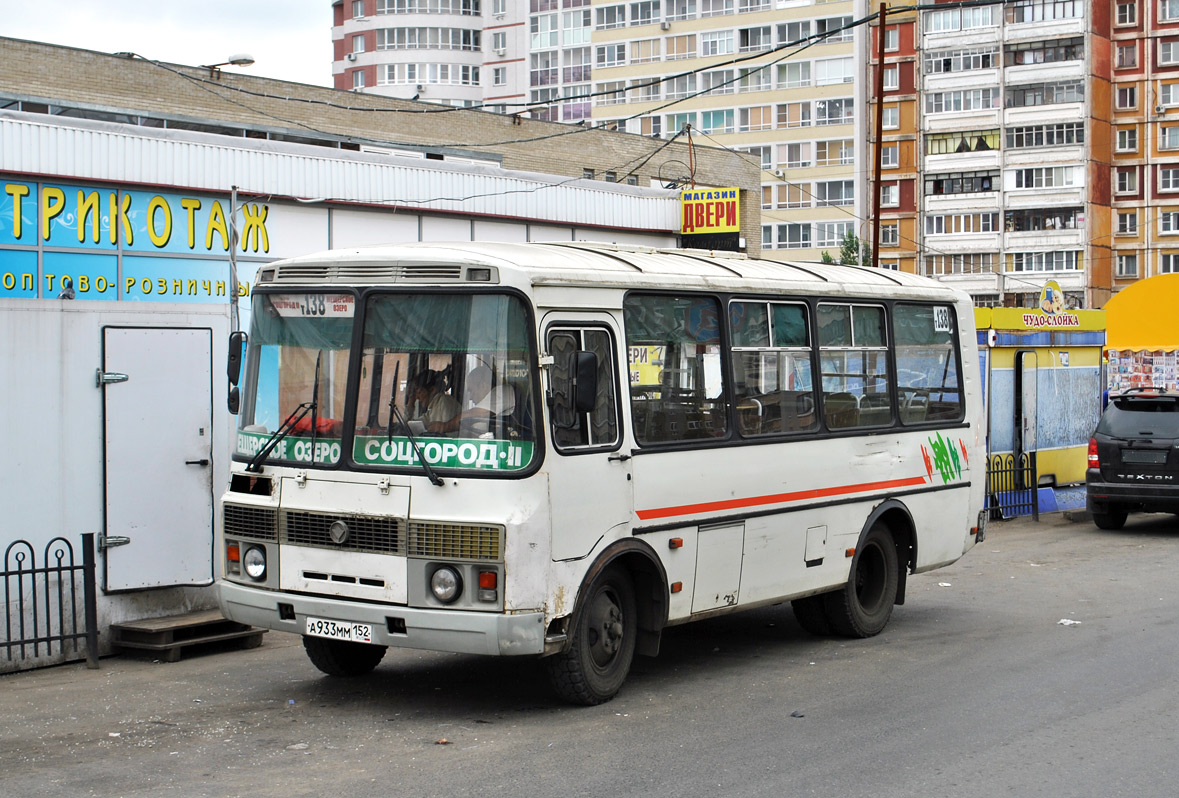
[839, 410]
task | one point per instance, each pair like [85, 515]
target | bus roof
[590, 264]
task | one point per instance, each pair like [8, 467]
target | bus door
[589, 474]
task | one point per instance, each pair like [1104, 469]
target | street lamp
[239, 60]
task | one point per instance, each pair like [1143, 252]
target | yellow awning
[1144, 315]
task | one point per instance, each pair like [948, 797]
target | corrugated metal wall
[89, 150]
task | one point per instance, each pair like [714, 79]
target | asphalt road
[975, 689]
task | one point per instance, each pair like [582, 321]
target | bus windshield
[445, 378]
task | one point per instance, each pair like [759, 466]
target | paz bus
[561, 449]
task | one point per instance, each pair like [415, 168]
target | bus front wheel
[341, 657]
[862, 608]
[594, 666]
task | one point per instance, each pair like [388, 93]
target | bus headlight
[254, 563]
[446, 584]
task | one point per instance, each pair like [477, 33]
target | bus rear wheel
[811, 615]
[594, 666]
[862, 608]
[341, 657]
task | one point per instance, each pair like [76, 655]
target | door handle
[196, 462]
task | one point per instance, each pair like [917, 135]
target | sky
[289, 39]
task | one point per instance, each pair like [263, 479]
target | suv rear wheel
[1112, 518]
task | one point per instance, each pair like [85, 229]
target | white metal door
[589, 483]
[158, 442]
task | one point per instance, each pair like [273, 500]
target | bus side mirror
[233, 370]
[585, 386]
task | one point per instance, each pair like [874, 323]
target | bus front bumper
[457, 631]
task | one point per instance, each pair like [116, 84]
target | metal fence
[1011, 486]
[42, 601]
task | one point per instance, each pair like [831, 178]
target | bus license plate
[356, 632]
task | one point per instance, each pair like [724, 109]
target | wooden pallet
[170, 635]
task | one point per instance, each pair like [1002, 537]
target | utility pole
[879, 130]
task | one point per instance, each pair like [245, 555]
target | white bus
[559, 450]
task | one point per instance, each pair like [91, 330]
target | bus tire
[342, 657]
[594, 666]
[811, 615]
[863, 606]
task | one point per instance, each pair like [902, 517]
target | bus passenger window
[853, 356]
[599, 427]
[772, 386]
[928, 386]
[677, 382]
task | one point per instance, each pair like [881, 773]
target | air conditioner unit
[1160, 109]
[665, 25]
[351, 56]
[501, 51]
[780, 173]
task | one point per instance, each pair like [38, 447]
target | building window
[961, 100]
[764, 155]
[829, 71]
[1044, 52]
[1068, 91]
[1168, 10]
[357, 9]
[959, 223]
[1127, 223]
[587, 174]
[717, 121]
[965, 263]
[890, 234]
[835, 192]
[834, 112]
[1127, 98]
[798, 156]
[891, 118]
[793, 33]
[1169, 94]
[1169, 222]
[681, 86]
[1051, 261]
[831, 234]
[358, 78]
[794, 75]
[892, 78]
[955, 19]
[1127, 55]
[680, 47]
[545, 31]
[718, 81]
[767, 236]
[609, 55]
[890, 156]
[890, 195]
[1128, 265]
[892, 40]
[835, 152]
[499, 76]
[1168, 263]
[1048, 177]
[794, 236]
[1126, 13]
[718, 42]
[1044, 10]
[835, 29]
[1169, 178]
[759, 117]
[1126, 180]
[794, 114]
[756, 79]
[945, 61]
[611, 17]
[1169, 138]
[715, 8]
[1032, 220]
[1169, 52]
[767, 197]
[1058, 135]
[962, 183]
[680, 9]
[645, 50]
[1128, 139]
[645, 12]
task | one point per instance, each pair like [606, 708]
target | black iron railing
[1011, 486]
[44, 606]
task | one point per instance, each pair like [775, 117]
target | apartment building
[775, 79]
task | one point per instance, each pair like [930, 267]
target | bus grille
[260, 523]
[455, 541]
[379, 534]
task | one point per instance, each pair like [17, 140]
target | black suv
[1134, 457]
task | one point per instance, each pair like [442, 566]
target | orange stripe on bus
[777, 498]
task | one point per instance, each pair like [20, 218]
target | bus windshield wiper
[394, 412]
[294, 418]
